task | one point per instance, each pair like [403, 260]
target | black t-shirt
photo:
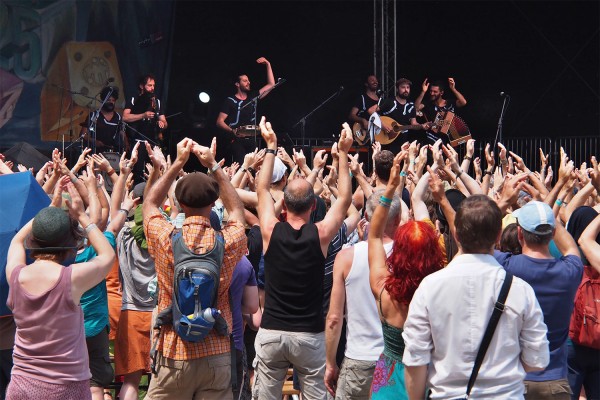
[363, 103]
[236, 116]
[401, 113]
[139, 105]
[106, 131]
[430, 110]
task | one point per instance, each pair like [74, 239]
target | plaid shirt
[199, 237]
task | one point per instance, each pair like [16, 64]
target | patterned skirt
[388, 380]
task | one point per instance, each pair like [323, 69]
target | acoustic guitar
[397, 129]
[361, 135]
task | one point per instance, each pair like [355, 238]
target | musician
[144, 114]
[366, 103]
[233, 114]
[403, 111]
[437, 103]
[107, 136]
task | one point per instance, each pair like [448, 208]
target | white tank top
[364, 338]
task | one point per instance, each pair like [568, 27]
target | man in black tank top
[292, 326]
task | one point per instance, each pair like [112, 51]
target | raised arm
[270, 77]
[419, 100]
[460, 99]
[589, 245]
[335, 216]
[266, 208]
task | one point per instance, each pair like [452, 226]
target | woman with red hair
[415, 254]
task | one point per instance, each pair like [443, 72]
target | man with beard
[403, 111]
[145, 115]
[234, 113]
[438, 104]
[366, 103]
[107, 136]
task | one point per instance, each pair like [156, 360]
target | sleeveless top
[294, 268]
[50, 340]
[393, 344]
[364, 338]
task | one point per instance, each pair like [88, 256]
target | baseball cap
[534, 214]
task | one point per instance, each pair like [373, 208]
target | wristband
[124, 211]
[216, 167]
[487, 173]
[469, 158]
[459, 174]
[382, 203]
[271, 151]
[111, 172]
[74, 179]
[403, 173]
[412, 162]
[385, 200]
[252, 171]
[89, 228]
[350, 172]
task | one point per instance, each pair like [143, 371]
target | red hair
[416, 253]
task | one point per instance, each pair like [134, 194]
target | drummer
[107, 136]
[234, 116]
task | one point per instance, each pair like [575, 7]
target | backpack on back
[585, 320]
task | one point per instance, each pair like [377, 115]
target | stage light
[204, 97]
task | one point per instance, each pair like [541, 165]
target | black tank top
[294, 267]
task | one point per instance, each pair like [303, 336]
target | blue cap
[534, 214]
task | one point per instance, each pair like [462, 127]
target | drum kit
[246, 131]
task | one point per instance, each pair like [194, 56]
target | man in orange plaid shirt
[186, 370]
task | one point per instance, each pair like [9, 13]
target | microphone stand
[302, 121]
[139, 133]
[94, 120]
[505, 104]
[254, 102]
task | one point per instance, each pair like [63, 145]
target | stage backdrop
[56, 56]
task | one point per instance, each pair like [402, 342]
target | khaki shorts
[354, 381]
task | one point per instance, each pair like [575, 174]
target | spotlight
[204, 97]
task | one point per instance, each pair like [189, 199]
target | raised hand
[346, 140]
[470, 147]
[451, 83]
[489, 156]
[266, 130]
[320, 159]
[544, 158]
[184, 148]
[425, 85]
[102, 162]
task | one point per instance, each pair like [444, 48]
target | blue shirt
[555, 282]
[94, 302]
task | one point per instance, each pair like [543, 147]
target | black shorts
[100, 367]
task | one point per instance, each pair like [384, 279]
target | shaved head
[298, 196]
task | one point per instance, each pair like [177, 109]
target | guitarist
[403, 111]
[366, 103]
[437, 103]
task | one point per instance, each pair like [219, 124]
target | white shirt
[446, 321]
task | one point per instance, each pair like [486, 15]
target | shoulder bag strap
[489, 331]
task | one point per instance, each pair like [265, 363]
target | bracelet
[558, 202]
[385, 200]
[564, 203]
[89, 228]
[216, 167]
[74, 179]
[460, 172]
[252, 171]
[490, 173]
[271, 151]
[403, 173]
[412, 162]
[124, 211]
[350, 172]
[111, 172]
[382, 203]
[469, 158]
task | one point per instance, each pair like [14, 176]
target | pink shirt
[50, 340]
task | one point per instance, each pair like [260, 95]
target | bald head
[298, 196]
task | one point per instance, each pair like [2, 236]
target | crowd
[384, 291]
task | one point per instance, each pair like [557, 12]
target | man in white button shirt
[450, 310]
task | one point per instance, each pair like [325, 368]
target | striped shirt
[199, 237]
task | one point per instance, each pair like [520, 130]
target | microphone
[504, 94]
[280, 80]
[109, 80]
[379, 92]
[341, 88]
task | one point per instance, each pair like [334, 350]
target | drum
[113, 158]
[245, 131]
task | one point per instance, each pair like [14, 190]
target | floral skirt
[388, 379]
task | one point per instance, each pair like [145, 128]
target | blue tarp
[21, 197]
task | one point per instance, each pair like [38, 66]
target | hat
[51, 231]
[279, 169]
[138, 191]
[196, 190]
[534, 214]
[455, 197]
